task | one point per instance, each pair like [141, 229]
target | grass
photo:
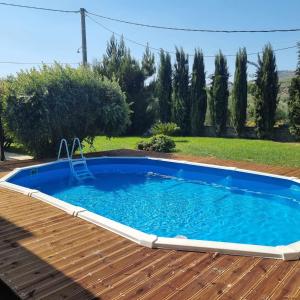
[17, 148]
[257, 151]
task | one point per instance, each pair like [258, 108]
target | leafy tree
[239, 92]
[219, 94]
[164, 87]
[266, 95]
[180, 95]
[132, 76]
[42, 106]
[198, 94]
[294, 101]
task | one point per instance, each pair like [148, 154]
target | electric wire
[38, 63]
[172, 52]
[154, 26]
[89, 14]
[39, 8]
[194, 29]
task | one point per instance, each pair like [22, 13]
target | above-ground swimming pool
[173, 204]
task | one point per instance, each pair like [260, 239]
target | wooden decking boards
[47, 254]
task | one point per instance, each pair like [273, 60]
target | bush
[42, 106]
[170, 129]
[158, 143]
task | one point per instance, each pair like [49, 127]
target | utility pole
[83, 37]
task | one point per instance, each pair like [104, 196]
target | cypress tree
[239, 92]
[198, 94]
[180, 95]
[164, 87]
[266, 95]
[2, 138]
[219, 94]
[298, 65]
[148, 63]
[294, 101]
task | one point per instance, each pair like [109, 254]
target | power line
[193, 29]
[172, 52]
[127, 39]
[39, 8]
[37, 63]
[88, 14]
[156, 26]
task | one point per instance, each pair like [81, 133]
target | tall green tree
[266, 95]
[198, 94]
[134, 78]
[239, 92]
[294, 101]
[148, 63]
[164, 87]
[2, 138]
[298, 64]
[219, 95]
[180, 95]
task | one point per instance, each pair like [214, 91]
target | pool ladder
[78, 167]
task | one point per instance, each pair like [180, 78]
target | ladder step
[82, 172]
[78, 162]
[85, 177]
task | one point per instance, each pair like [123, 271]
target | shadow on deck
[23, 270]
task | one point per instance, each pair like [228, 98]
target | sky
[36, 36]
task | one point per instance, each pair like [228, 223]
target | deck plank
[290, 288]
[269, 283]
[47, 254]
[177, 289]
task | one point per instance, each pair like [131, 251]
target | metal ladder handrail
[79, 147]
[84, 173]
[63, 142]
[82, 160]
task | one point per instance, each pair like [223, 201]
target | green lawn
[265, 152]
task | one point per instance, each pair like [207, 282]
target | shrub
[42, 106]
[158, 143]
[165, 128]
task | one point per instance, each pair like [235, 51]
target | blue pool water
[170, 199]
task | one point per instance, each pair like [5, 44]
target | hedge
[42, 106]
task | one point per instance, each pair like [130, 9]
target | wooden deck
[47, 254]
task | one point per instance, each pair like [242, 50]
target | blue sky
[34, 36]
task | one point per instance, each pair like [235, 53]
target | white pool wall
[285, 252]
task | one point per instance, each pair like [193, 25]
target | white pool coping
[285, 252]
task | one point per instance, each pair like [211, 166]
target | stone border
[288, 252]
